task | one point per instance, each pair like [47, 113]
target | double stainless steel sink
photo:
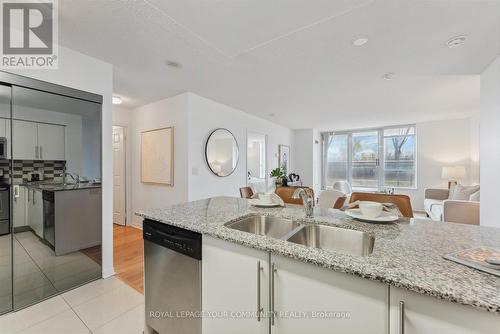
[316, 236]
[264, 225]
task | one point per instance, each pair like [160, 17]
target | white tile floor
[106, 306]
[38, 272]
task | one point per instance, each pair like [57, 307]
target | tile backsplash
[22, 168]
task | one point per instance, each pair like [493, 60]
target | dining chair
[246, 192]
[401, 201]
[343, 186]
[286, 194]
[331, 199]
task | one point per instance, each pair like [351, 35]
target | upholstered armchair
[439, 207]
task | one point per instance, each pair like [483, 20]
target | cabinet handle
[34, 201]
[41, 152]
[259, 308]
[16, 192]
[36, 152]
[29, 195]
[273, 312]
[401, 317]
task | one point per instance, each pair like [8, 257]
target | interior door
[119, 207]
[42, 119]
[365, 159]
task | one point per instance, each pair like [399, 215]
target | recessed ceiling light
[173, 64]
[117, 100]
[389, 76]
[456, 41]
[360, 41]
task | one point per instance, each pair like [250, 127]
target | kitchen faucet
[307, 200]
[75, 177]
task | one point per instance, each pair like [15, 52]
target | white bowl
[371, 209]
[266, 198]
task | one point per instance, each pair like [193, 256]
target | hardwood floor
[128, 256]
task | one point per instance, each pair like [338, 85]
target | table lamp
[453, 174]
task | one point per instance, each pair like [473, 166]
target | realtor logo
[29, 34]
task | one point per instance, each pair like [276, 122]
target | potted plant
[277, 175]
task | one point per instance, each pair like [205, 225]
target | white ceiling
[292, 61]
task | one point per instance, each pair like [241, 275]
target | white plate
[259, 204]
[385, 217]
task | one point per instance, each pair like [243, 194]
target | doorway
[128, 248]
[119, 176]
[256, 161]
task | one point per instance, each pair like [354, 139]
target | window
[399, 157]
[375, 158]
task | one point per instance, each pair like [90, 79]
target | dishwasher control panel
[175, 238]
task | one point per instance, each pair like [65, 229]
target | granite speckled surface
[406, 255]
[61, 187]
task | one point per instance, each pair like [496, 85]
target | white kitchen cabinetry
[311, 299]
[307, 298]
[24, 140]
[34, 211]
[421, 314]
[51, 141]
[38, 141]
[20, 202]
[5, 133]
[230, 285]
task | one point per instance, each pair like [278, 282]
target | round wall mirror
[221, 152]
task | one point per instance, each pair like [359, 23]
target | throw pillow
[462, 193]
[475, 197]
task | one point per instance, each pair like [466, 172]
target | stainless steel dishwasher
[172, 279]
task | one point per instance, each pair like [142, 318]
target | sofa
[441, 205]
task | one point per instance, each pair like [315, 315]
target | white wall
[490, 140]
[475, 132]
[304, 156]
[82, 72]
[308, 159]
[440, 143]
[206, 115]
[164, 113]
[317, 161]
[121, 116]
[91, 152]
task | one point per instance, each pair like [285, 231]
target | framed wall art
[157, 156]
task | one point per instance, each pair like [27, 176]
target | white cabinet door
[5, 133]
[423, 314]
[24, 140]
[51, 141]
[35, 211]
[230, 285]
[311, 299]
[19, 206]
[3, 127]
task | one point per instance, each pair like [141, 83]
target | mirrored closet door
[50, 194]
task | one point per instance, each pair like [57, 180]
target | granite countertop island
[407, 255]
[56, 186]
